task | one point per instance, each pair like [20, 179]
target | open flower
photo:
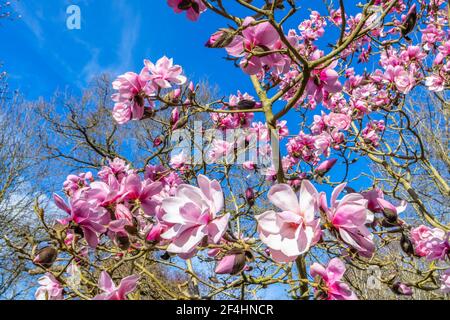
[330, 285]
[323, 81]
[192, 216]
[255, 38]
[163, 73]
[88, 217]
[132, 90]
[432, 243]
[193, 8]
[50, 288]
[293, 231]
[111, 292]
[349, 217]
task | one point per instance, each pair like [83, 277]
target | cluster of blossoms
[158, 209]
[135, 91]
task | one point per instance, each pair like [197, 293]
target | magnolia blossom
[193, 8]
[262, 37]
[445, 280]
[404, 80]
[349, 217]
[323, 81]
[88, 217]
[50, 288]
[179, 160]
[134, 189]
[330, 285]
[111, 292]
[295, 230]
[431, 243]
[130, 99]
[221, 150]
[164, 72]
[435, 83]
[192, 216]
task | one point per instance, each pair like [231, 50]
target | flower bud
[123, 242]
[325, 166]
[246, 104]
[220, 39]
[175, 116]
[406, 245]
[388, 209]
[155, 233]
[402, 289]
[250, 196]
[157, 142]
[232, 263]
[410, 21]
[45, 257]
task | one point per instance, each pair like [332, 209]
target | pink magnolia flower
[178, 161]
[122, 113]
[130, 100]
[117, 168]
[88, 217]
[403, 80]
[435, 83]
[389, 209]
[76, 182]
[261, 36]
[295, 230]
[111, 292]
[323, 81]
[193, 8]
[164, 73]
[445, 280]
[372, 197]
[220, 150]
[143, 191]
[249, 165]
[371, 132]
[192, 216]
[431, 243]
[338, 120]
[331, 286]
[349, 217]
[50, 288]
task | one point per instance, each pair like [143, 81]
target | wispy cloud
[130, 21]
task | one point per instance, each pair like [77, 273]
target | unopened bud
[175, 116]
[157, 142]
[220, 39]
[250, 196]
[325, 166]
[410, 21]
[123, 242]
[246, 104]
[406, 245]
[233, 263]
[402, 289]
[388, 209]
[45, 257]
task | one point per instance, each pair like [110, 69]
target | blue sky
[41, 54]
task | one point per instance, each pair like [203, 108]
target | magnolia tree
[269, 188]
